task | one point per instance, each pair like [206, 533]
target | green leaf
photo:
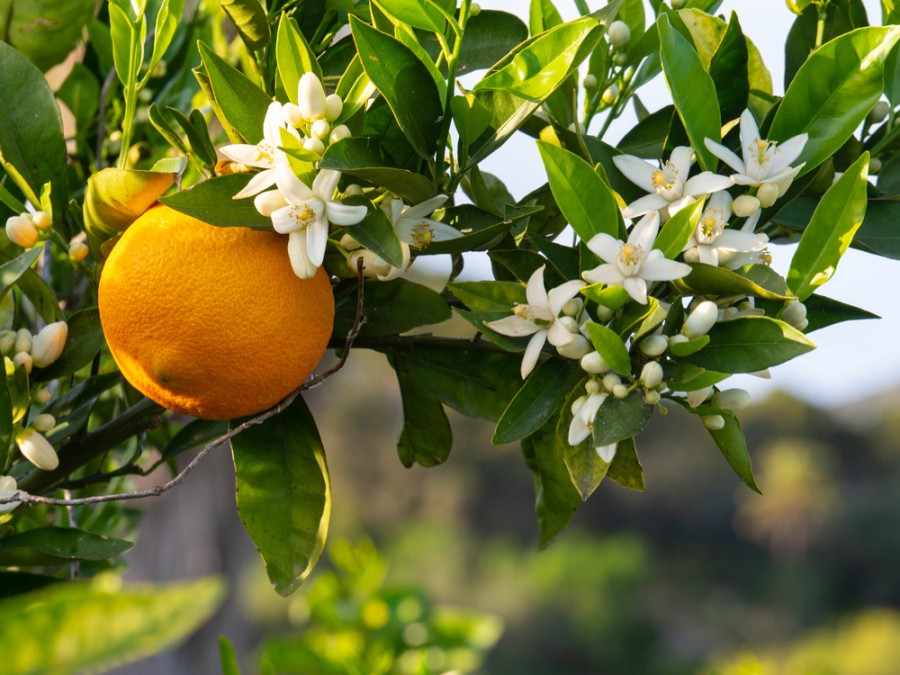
[57, 546]
[41, 296]
[249, 18]
[167, 20]
[81, 93]
[479, 321]
[45, 31]
[583, 196]
[84, 340]
[489, 36]
[693, 91]
[830, 231]
[212, 202]
[241, 103]
[32, 147]
[833, 92]
[729, 71]
[228, 657]
[284, 493]
[626, 469]
[364, 158]
[481, 229]
[426, 437]
[392, 307]
[421, 14]
[194, 434]
[97, 625]
[749, 344]
[17, 583]
[542, 15]
[6, 418]
[376, 232]
[822, 312]
[711, 280]
[689, 347]
[11, 271]
[675, 234]
[621, 418]
[355, 89]
[489, 296]
[405, 84]
[293, 56]
[586, 469]
[539, 399]
[125, 40]
[610, 347]
[733, 445]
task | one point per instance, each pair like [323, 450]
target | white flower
[701, 320]
[633, 263]
[538, 318]
[669, 186]
[307, 215]
[764, 161]
[37, 449]
[582, 425]
[311, 97]
[49, 343]
[8, 489]
[264, 155]
[712, 244]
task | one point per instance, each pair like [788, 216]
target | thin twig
[359, 320]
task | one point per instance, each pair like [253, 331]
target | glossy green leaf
[293, 56]
[98, 625]
[196, 131]
[710, 280]
[542, 15]
[32, 147]
[376, 232]
[212, 202]
[693, 91]
[539, 399]
[17, 583]
[480, 229]
[586, 469]
[610, 347]
[57, 546]
[284, 493]
[228, 657]
[392, 307]
[583, 196]
[426, 437]
[81, 94]
[489, 296]
[626, 469]
[249, 18]
[489, 36]
[45, 31]
[822, 312]
[405, 84]
[355, 89]
[239, 103]
[749, 344]
[830, 231]
[6, 418]
[685, 377]
[364, 158]
[194, 434]
[11, 271]
[126, 37]
[621, 418]
[733, 445]
[833, 91]
[84, 340]
[690, 347]
[41, 296]
[729, 70]
[167, 19]
[674, 235]
[421, 14]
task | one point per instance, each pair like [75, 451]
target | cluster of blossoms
[28, 229]
[557, 317]
[305, 212]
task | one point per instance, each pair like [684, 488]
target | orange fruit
[211, 321]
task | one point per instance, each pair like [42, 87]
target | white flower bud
[879, 112]
[8, 489]
[23, 360]
[78, 251]
[37, 450]
[651, 374]
[783, 185]
[578, 403]
[320, 129]
[269, 202]
[768, 194]
[678, 4]
[651, 397]
[49, 343]
[620, 58]
[678, 339]
[42, 220]
[7, 342]
[745, 206]
[654, 345]
[603, 313]
[610, 94]
[593, 363]
[620, 391]
[311, 95]
[333, 107]
[348, 243]
[619, 34]
[795, 314]
[731, 399]
[611, 380]
[698, 396]
[578, 347]
[730, 313]
[372, 264]
[701, 319]
[314, 145]
[590, 82]
[713, 422]
[569, 324]
[692, 255]
[353, 190]
[292, 115]
[339, 133]
[42, 396]
[874, 165]
[572, 307]
[21, 231]
[44, 422]
[592, 386]
[23, 341]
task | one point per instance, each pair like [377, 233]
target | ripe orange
[211, 321]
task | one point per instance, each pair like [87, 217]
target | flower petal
[532, 352]
[681, 159]
[644, 233]
[607, 452]
[663, 269]
[725, 155]
[513, 326]
[706, 183]
[578, 430]
[560, 295]
[606, 274]
[303, 266]
[558, 335]
[749, 135]
[272, 124]
[325, 183]
[534, 289]
[644, 205]
[425, 208]
[637, 288]
[316, 241]
[261, 181]
[284, 222]
[708, 255]
[293, 189]
[737, 241]
[246, 154]
[605, 246]
[787, 153]
[636, 170]
[344, 214]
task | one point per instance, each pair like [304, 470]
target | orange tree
[306, 154]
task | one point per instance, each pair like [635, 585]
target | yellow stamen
[422, 235]
[303, 214]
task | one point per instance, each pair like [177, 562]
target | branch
[359, 320]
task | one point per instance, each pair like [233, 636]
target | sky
[852, 360]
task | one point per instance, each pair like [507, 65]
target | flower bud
[874, 165]
[23, 340]
[49, 343]
[353, 190]
[42, 220]
[37, 450]
[654, 345]
[372, 264]
[333, 107]
[698, 396]
[44, 422]
[619, 34]
[795, 314]
[23, 360]
[678, 339]
[678, 4]
[348, 243]
[320, 129]
[610, 94]
[620, 391]
[768, 194]
[8, 489]
[42, 396]
[7, 342]
[474, 9]
[311, 95]
[611, 380]
[593, 363]
[578, 403]
[78, 251]
[651, 397]
[578, 347]
[620, 58]
[314, 145]
[879, 112]
[701, 319]
[592, 386]
[713, 422]
[572, 307]
[569, 324]
[339, 133]
[745, 206]
[603, 313]
[292, 115]
[21, 231]
[590, 82]
[651, 374]
[269, 202]
[731, 399]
